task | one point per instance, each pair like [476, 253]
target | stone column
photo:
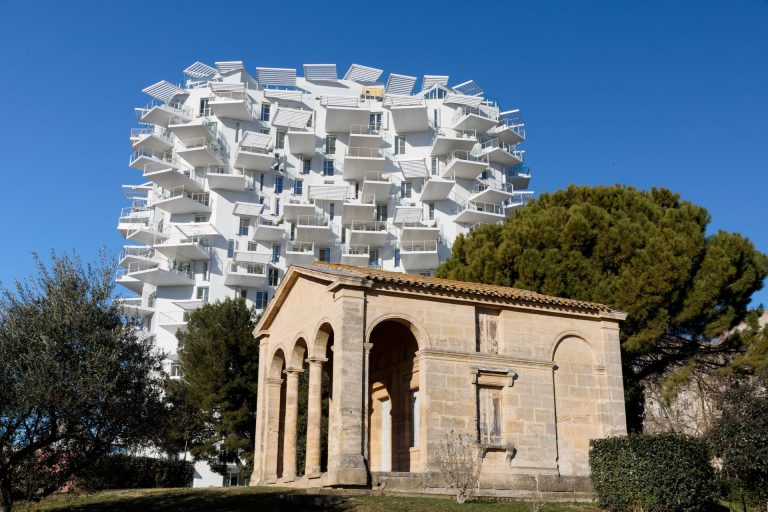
[367, 347]
[314, 417]
[272, 427]
[291, 416]
[259, 445]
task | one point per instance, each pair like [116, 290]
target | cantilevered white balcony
[412, 232]
[519, 177]
[145, 234]
[231, 101]
[184, 200]
[124, 278]
[299, 253]
[419, 255]
[359, 161]
[161, 114]
[373, 233]
[296, 208]
[254, 152]
[137, 255]
[511, 128]
[365, 135]
[344, 111]
[474, 118]
[377, 184]
[268, 230]
[187, 250]
[491, 193]
[187, 130]
[301, 142]
[358, 255]
[446, 141]
[328, 192]
[151, 138]
[436, 189]
[313, 228]
[223, 178]
[173, 321]
[132, 218]
[173, 178]
[500, 153]
[463, 165]
[358, 209]
[409, 113]
[259, 257]
[250, 275]
[135, 307]
[178, 275]
[201, 152]
[479, 213]
[518, 199]
[149, 161]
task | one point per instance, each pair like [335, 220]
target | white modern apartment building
[243, 175]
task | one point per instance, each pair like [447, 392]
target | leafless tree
[460, 462]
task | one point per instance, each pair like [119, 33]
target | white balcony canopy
[283, 95]
[360, 73]
[243, 209]
[276, 77]
[469, 87]
[463, 99]
[407, 215]
[255, 140]
[400, 100]
[217, 87]
[291, 117]
[196, 229]
[327, 192]
[200, 70]
[320, 72]
[163, 90]
[400, 84]
[429, 80]
[414, 169]
[229, 66]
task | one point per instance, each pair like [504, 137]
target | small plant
[460, 462]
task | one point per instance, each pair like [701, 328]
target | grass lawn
[256, 499]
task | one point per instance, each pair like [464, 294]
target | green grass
[237, 499]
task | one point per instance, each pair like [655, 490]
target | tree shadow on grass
[199, 500]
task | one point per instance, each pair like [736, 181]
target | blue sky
[653, 93]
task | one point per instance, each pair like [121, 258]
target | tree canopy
[74, 379]
[220, 365]
[644, 252]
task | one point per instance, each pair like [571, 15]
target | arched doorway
[394, 398]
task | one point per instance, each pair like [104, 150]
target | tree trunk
[6, 501]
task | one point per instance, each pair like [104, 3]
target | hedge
[652, 473]
[119, 471]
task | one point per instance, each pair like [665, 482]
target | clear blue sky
[653, 93]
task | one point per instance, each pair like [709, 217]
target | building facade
[396, 362]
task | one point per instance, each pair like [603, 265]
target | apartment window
[202, 293]
[397, 258]
[436, 118]
[373, 257]
[277, 206]
[231, 248]
[431, 211]
[244, 225]
[374, 121]
[260, 301]
[489, 415]
[242, 293]
[293, 230]
[201, 218]
[343, 234]
[237, 132]
[331, 211]
[484, 175]
[327, 167]
[381, 212]
[175, 370]
[306, 165]
[273, 276]
[275, 253]
[325, 254]
[261, 182]
[435, 165]
[252, 246]
[265, 112]
[205, 271]
[278, 184]
[399, 145]
[204, 109]
[330, 144]
[406, 189]
[280, 140]
[298, 186]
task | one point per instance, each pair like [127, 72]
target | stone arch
[577, 393]
[393, 406]
[563, 335]
[323, 334]
[420, 335]
[299, 352]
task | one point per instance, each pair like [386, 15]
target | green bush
[119, 471]
[652, 473]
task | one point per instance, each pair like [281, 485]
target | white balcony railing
[418, 246]
[365, 129]
[203, 198]
[312, 220]
[362, 152]
[371, 226]
[296, 247]
[355, 250]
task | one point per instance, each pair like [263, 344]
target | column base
[313, 473]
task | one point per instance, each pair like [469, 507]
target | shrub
[130, 472]
[652, 473]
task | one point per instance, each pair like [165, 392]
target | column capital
[367, 346]
[317, 360]
[293, 372]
